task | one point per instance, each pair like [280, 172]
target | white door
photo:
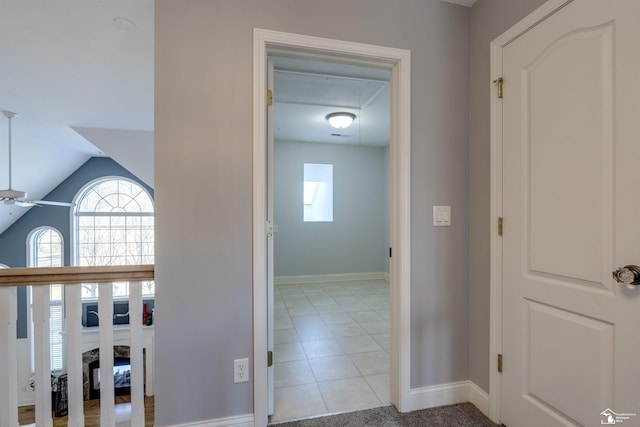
[571, 206]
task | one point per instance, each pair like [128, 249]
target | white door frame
[398, 61]
[495, 276]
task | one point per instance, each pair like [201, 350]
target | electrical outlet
[241, 370]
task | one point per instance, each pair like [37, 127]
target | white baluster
[107, 399]
[75, 399]
[42, 350]
[8, 358]
[135, 354]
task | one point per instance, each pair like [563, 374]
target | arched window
[45, 249]
[113, 225]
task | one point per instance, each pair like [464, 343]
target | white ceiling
[305, 91]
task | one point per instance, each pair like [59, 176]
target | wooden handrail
[74, 275]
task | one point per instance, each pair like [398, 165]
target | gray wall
[13, 240]
[489, 19]
[203, 169]
[355, 242]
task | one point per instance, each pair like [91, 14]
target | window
[113, 226]
[45, 250]
[318, 192]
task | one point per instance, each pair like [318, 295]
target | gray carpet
[462, 414]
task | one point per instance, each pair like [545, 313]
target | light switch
[442, 216]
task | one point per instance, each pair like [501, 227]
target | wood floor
[27, 416]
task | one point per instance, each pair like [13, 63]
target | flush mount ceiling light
[124, 24]
[340, 120]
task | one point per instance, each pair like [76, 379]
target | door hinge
[269, 228]
[270, 97]
[269, 358]
[500, 83]
[500, 226]
[390, 253]
[499, 363]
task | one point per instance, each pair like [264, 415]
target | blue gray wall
[357, 239]
[13, 241]
[203, 154]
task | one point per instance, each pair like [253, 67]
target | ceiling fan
[19, 198]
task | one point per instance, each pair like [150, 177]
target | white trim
[449, 394]
[322, 278]
[399, 62]
[260, 330]
[400, 264]
[495, 276]
[495, 268]
[479, 398]
[237, 421]
[438, 395]
[31, 247]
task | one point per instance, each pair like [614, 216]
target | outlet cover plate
[240, 371]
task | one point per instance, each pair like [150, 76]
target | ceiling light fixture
[124, 24]
[340, 120]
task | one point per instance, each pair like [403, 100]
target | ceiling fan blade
[13, 197]
[47, 202]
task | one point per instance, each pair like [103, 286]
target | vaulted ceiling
[79, 74]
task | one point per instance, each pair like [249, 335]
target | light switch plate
[442, 216]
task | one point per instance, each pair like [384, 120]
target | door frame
[398, 61]
[495, 269]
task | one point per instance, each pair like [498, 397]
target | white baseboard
[438, 395]
[479, 398]
[237, 421]
[26, 402]
[449, 394]
[419, 398]
[317, 278]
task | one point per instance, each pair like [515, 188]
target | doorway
[398, 62]
[331, 244]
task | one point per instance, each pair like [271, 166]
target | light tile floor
[331, 349]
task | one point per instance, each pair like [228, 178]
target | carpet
[459, 415]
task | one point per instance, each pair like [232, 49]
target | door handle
[627, 275]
